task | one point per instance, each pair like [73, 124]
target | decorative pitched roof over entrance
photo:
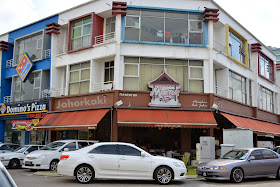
[164, 79]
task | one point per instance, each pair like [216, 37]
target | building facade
[155, 74]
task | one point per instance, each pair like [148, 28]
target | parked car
[48, 156]
[242, 163]
[115, 160]
[14, 159]
[277, 149]
[5, 177]
[8, 147]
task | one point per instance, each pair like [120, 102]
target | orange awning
[87, 119]
[257, 126]
[166, 118]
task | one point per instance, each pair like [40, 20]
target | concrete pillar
[2, 130]
[210, 61]
[118, 78]
[185, 140]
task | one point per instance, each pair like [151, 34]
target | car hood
[40, 152]
[166, 158]
[220, 162]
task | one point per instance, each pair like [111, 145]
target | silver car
[242, 163]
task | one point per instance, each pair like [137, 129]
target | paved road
[26, 178]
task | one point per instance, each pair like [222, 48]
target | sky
[260, 17]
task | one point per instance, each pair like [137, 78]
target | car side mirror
[66, 149]
[26, 152]
[143, 154]
[251, 158]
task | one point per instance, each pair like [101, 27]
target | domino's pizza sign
[24, 67]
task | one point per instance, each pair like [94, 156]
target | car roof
[8, 144]
[114, 143]
[66, 141]
[250, 149]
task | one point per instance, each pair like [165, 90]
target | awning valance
[166, 118]
[257, 126]
[87, 119]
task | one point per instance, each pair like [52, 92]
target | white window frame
[139, 19]
[197, 67]
[138, 70]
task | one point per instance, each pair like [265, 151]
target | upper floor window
[30, 89]
[164, 27]
[266, 67]
[266, 99]
[237, 87]
[110, 24]
[34, 45]
[237, 47]
[109, 71]
[79, 78]
[140, 71]
[81, 33]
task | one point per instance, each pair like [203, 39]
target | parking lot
[26, 178]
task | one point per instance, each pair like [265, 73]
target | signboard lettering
[23, 108]
[200, 104]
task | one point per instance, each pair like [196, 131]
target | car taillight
[64, 157]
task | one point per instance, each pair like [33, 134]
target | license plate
[204, 174]
[28, 163]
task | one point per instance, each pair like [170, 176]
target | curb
[47, 173]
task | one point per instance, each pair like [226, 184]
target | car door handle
[122, 158]
[91, 156]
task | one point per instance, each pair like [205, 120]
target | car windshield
[53, 146]
[21, 149]
[236, 155]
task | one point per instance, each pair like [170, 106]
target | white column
[67, 79]
[118, 78]
[210, 77]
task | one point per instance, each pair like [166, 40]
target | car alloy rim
[54, 166]
[14, 164]
[164, 175]
[84, 174]
[237, 175]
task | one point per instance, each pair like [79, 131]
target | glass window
[267, 154]
[265, 67]
[82, 144]
[150, 68]
[105, 149]
[236, 47]
[236, 154]
[28, 90]
[71, 146]
[237, 87]
[81, 33]
[110, 24]
[79, 78]
[32, 45]
[266, 99]
[109, 71]
[164, 27]
[257, 154]
[129, 151]
[33, 148]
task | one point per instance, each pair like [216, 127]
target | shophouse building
[158, 74]
[25, 76]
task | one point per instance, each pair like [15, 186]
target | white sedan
[114, 160]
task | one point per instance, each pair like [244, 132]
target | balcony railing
[103, 86]
[220, 91]
[7, 99]
[9, 63]
[53, 93]
[47, 53]
[219, 47]
[61, 50]
[106, 38]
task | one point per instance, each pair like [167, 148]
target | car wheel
[33, 170]
[237, 175]
[163, 175]
[53, 165]
[84, 174]
[14, 164]
[278, 173]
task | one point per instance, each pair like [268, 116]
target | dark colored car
[238, 164]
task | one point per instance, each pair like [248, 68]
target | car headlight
[42, 156]
[199, 167]
[179, 164]
[218, 167]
